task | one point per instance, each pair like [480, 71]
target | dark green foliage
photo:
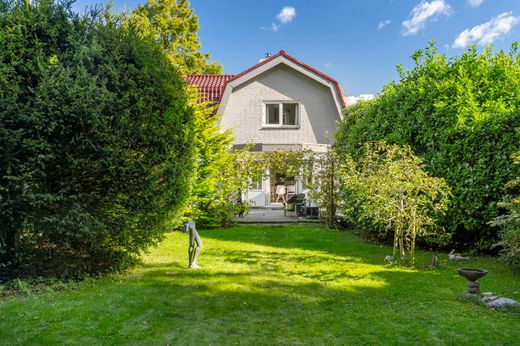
[462, 117]
[95, 140]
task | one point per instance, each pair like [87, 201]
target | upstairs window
[273, 114]
[281, 114]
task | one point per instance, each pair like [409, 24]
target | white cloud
[352, 100]
[488, 32]
[475, 3]
[423, 12]
[383, 23]
[286, 15]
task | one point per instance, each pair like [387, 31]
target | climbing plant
[323, 184]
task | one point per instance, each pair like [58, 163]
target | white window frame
[261, 188]
[280, 114]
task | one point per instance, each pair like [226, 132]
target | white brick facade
[317, 109]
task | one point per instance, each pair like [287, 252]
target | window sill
[278, 127]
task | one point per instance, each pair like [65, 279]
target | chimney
[267, 56]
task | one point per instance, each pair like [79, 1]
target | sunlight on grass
[268, 285]
[273, 267]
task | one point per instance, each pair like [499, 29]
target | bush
[216, 181]
[510, 222]
[95, 135]
[388, 187]
[461, 116]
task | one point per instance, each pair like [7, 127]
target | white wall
[318, 112]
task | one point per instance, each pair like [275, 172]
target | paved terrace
[272, 215]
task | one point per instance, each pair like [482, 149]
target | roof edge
[293, 59]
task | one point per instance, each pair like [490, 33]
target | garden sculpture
[195, 243]
[456, 257]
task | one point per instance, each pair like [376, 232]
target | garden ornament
[389, 259]
[456, 257]
[195, 243]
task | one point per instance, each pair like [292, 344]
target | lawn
[269, 285]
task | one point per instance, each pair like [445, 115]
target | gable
[245, 111]
[283, 59]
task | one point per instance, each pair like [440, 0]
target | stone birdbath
[472, 275]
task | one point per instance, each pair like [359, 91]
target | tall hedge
[462, 116]
[95, 140]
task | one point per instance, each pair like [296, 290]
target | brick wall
[318, 113]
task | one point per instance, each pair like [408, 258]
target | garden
[106, 153]
[269, 285]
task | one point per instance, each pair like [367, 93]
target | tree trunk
[402, 250]
[396, 237]
[412, 245]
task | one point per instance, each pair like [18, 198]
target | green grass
[269, 285]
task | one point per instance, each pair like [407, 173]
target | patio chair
[295, 203]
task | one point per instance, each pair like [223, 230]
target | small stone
[502, 303]
[489, 299]
[389, 259]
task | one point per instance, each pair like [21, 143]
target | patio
[273, 214]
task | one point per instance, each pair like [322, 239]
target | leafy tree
[510, 222]
[391, 189]
[461, 115]
[175, 26]
[95, 136]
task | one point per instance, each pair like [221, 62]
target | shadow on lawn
[255, 307]
[317, 297]
[303, 237]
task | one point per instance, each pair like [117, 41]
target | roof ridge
[214, 85]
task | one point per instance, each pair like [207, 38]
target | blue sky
[357, 42]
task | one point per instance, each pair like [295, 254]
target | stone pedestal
[473, 288]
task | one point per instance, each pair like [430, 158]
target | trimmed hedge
[462, 117]
[95, 139]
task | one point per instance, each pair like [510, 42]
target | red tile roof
[211, 86]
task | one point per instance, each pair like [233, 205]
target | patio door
[280, 184]
[258, 193]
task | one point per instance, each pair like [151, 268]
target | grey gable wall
[318, 112]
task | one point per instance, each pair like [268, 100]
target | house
[280, 103]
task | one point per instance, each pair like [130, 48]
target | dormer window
[281, 114]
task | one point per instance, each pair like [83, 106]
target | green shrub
[212, 202]
[462, 117]
[510, 223]
[389, 187]
[95, 134]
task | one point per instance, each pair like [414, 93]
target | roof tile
[211, 86]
